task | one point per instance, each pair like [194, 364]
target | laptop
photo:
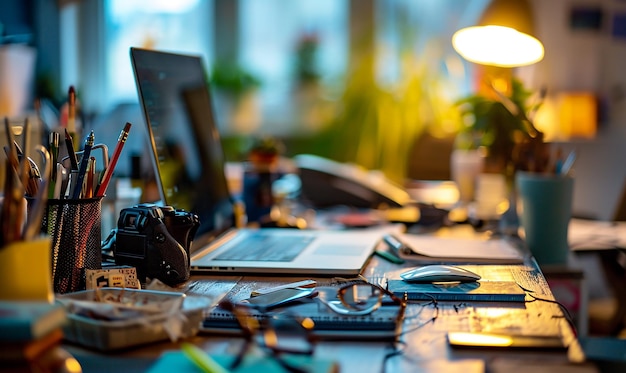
[189, 164]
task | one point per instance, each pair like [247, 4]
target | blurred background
[372, 82]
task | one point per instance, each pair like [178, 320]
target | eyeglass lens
[361, 296]
[287, 335]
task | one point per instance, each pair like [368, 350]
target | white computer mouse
[439, 273]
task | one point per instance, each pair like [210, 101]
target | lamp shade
[502, 38]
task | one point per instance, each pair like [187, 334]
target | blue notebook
[488, 291]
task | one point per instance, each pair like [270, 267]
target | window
[181, 26]
[269, 45]
[266, 40]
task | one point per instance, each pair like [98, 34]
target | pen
[25, 168]
[108, 172]
[71, 184]
[568, 163]
[60, 180]
[71, 111]
[88, 185]
[397, 246]
[292, 285]
[389, 256]
[69, 143]
[203, 361]
[54, 155]
[83, 166]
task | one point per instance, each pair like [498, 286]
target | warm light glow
[568, 115]
[472, 339]
[497, 46]
[578, 113]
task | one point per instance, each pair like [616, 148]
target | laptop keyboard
[263, 247]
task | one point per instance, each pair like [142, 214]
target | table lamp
[502, 38]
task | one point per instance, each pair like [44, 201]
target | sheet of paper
[479, 248]
[586, 234]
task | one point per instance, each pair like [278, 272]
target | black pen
[69, 144]
[54, 155]
[83, 166]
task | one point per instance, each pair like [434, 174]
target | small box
[113, 276]
[109, 335]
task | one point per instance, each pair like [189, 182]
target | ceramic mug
[545, 210]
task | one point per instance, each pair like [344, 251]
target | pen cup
[545, 207]
[25, 271]
[75, 228]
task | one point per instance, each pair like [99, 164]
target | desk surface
[425, 348]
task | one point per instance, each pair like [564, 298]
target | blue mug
[545, 209]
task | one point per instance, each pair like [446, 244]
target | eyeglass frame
[341, 290]
[251, 327]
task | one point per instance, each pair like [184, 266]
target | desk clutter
[55, 191]
[110, 307]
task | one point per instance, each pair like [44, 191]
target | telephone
[329, 183]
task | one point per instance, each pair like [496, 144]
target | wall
[591, 61]
[15, 15]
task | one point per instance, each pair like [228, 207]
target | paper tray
[112, 335]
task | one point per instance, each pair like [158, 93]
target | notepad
[479, 291]
[440, 249]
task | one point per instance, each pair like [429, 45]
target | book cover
[29, 320]
[379, 325]
[30, 350]
[489, 291]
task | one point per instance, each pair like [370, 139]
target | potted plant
[375, 124]
[265, 152]
[234, 91]
[502, 125]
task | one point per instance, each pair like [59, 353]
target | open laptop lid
[186, 150]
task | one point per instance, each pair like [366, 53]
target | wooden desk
[426, 348]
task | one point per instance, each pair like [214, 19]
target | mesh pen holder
[74, 226]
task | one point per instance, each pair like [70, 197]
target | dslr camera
[156, 241]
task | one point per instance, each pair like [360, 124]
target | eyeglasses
[279, 334]
[357, 299]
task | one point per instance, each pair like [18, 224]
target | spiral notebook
[379, 325]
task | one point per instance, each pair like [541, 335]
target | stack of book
[30, 331]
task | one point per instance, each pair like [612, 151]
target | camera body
[156, 241]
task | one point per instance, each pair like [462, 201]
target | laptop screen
[186, 148]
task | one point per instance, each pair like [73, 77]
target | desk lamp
[501, 40]
[503, 37]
